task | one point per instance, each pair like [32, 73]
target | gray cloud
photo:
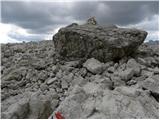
[43, 17]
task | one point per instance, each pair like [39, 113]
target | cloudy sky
[33, 21]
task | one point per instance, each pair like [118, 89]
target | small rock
[58, 90]
[93, 66]
[156, 70]
[59, 74]
[134, 65]
[72, 64]
[127, 74]
[83, 72]
[106, 82]
[68, 78]
[28, 85]
[54, 68]
[115, 66]
[38, 64]
[141, 61]
[54, 104]
[50, 81]
[15, 74]
[51, 75]
[43, 87]
[117, 81]
[111, 69]
[64, 84]
[43, 75]
[151, 84]
[107, 65]
[131, 82]
[129, 91]
[147, 73]
[141, 78]
[78, 80]
[122, 67]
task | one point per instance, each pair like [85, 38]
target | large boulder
[104, 43]
[93, 102]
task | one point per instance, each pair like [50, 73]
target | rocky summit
[87, 71]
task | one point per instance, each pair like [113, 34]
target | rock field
[114, 78]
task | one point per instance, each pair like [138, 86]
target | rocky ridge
[35, 83]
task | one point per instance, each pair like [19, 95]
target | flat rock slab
[103, 43]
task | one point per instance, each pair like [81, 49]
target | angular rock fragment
[127, 74]
[18, 110]
[39, 107]
[134, 65]
[50, 81]
[93, 66]
[151, 84]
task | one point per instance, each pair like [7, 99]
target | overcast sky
[31, 21]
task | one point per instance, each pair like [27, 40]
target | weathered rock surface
[93, 66]
[103, 43]
[35, 83]
[91, 101]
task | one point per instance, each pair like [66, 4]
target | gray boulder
[39, 107]
[93, 66]
[104, 43]
[91, 101]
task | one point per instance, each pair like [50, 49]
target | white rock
[117, 81]
[54, 103]
[50, 81]
[127, 74]
[59, 74]
[142, 61]
[43, 87]
[111, 69]
[151, 84]
[93, 66]
[147, 73]
[64, 84]
[156, 70]
[134, 65]
[128, 91]
[54, 68]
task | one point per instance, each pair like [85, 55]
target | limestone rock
[134, 65]
[18, 110]
[15, 74]
[93, 102]
[90, 75]
[93, 66]
[50, 81]
[151, 84]
[39, 107]
[64, 84]
[43, 87]
[102, 43]
[127, 74]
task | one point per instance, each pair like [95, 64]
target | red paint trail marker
[59, 115]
